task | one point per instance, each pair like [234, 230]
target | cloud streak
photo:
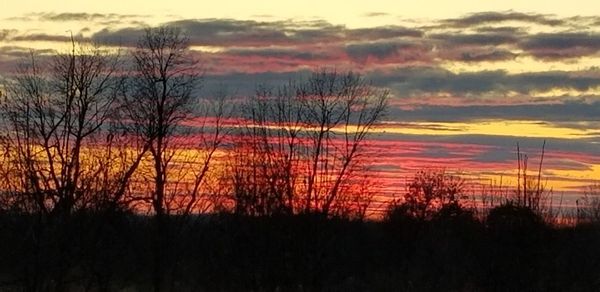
[418, 80]
[483, 18]
[231, 32]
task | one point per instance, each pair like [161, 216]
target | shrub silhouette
[427, 193]
[513, 218]
[516, 248]
[454, 214]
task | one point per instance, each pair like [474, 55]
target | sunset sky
[468, 79]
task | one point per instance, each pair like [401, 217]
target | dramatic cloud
[402, 51]
[498, 17]
[412, 80]
[121, 37]
[280, 53]
[11, 56]
[230, 32]
[217, 32]
[6, 33]
[269, 59]
[562, 45]
[80, 16]
[21, 52]
[45, 37]
[501, 29]
[382, 32]
[273, 51]
[557, 113]
[494, 55]
[476, 39]
[500, 89]
[245, 84]
[376, 14]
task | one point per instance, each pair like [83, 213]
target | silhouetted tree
[55, 116]
[342, 106]
[57, 156]
[264, 167]
[430, 191]
[588, 206]
[161, 95]
[302, 151]
[509, 218]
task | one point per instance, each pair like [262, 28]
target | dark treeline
[513, 250]
[115, 176]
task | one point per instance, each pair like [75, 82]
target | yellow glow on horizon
[593, 172]
[556, 92]
[533, 129]
[530, 129]
[522, 64]
[207, 49]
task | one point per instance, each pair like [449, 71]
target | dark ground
[510, 251]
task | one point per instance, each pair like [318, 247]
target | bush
[510, 217]
[454, 214]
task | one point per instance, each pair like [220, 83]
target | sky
[468, 80]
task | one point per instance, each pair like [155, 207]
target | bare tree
[264, 168]
[429, 191]
[55, 116]
[303, 146]
[161, 97]
[56, 156]
[588, 206]
[339, 111]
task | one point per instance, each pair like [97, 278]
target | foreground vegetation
[512, 250]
